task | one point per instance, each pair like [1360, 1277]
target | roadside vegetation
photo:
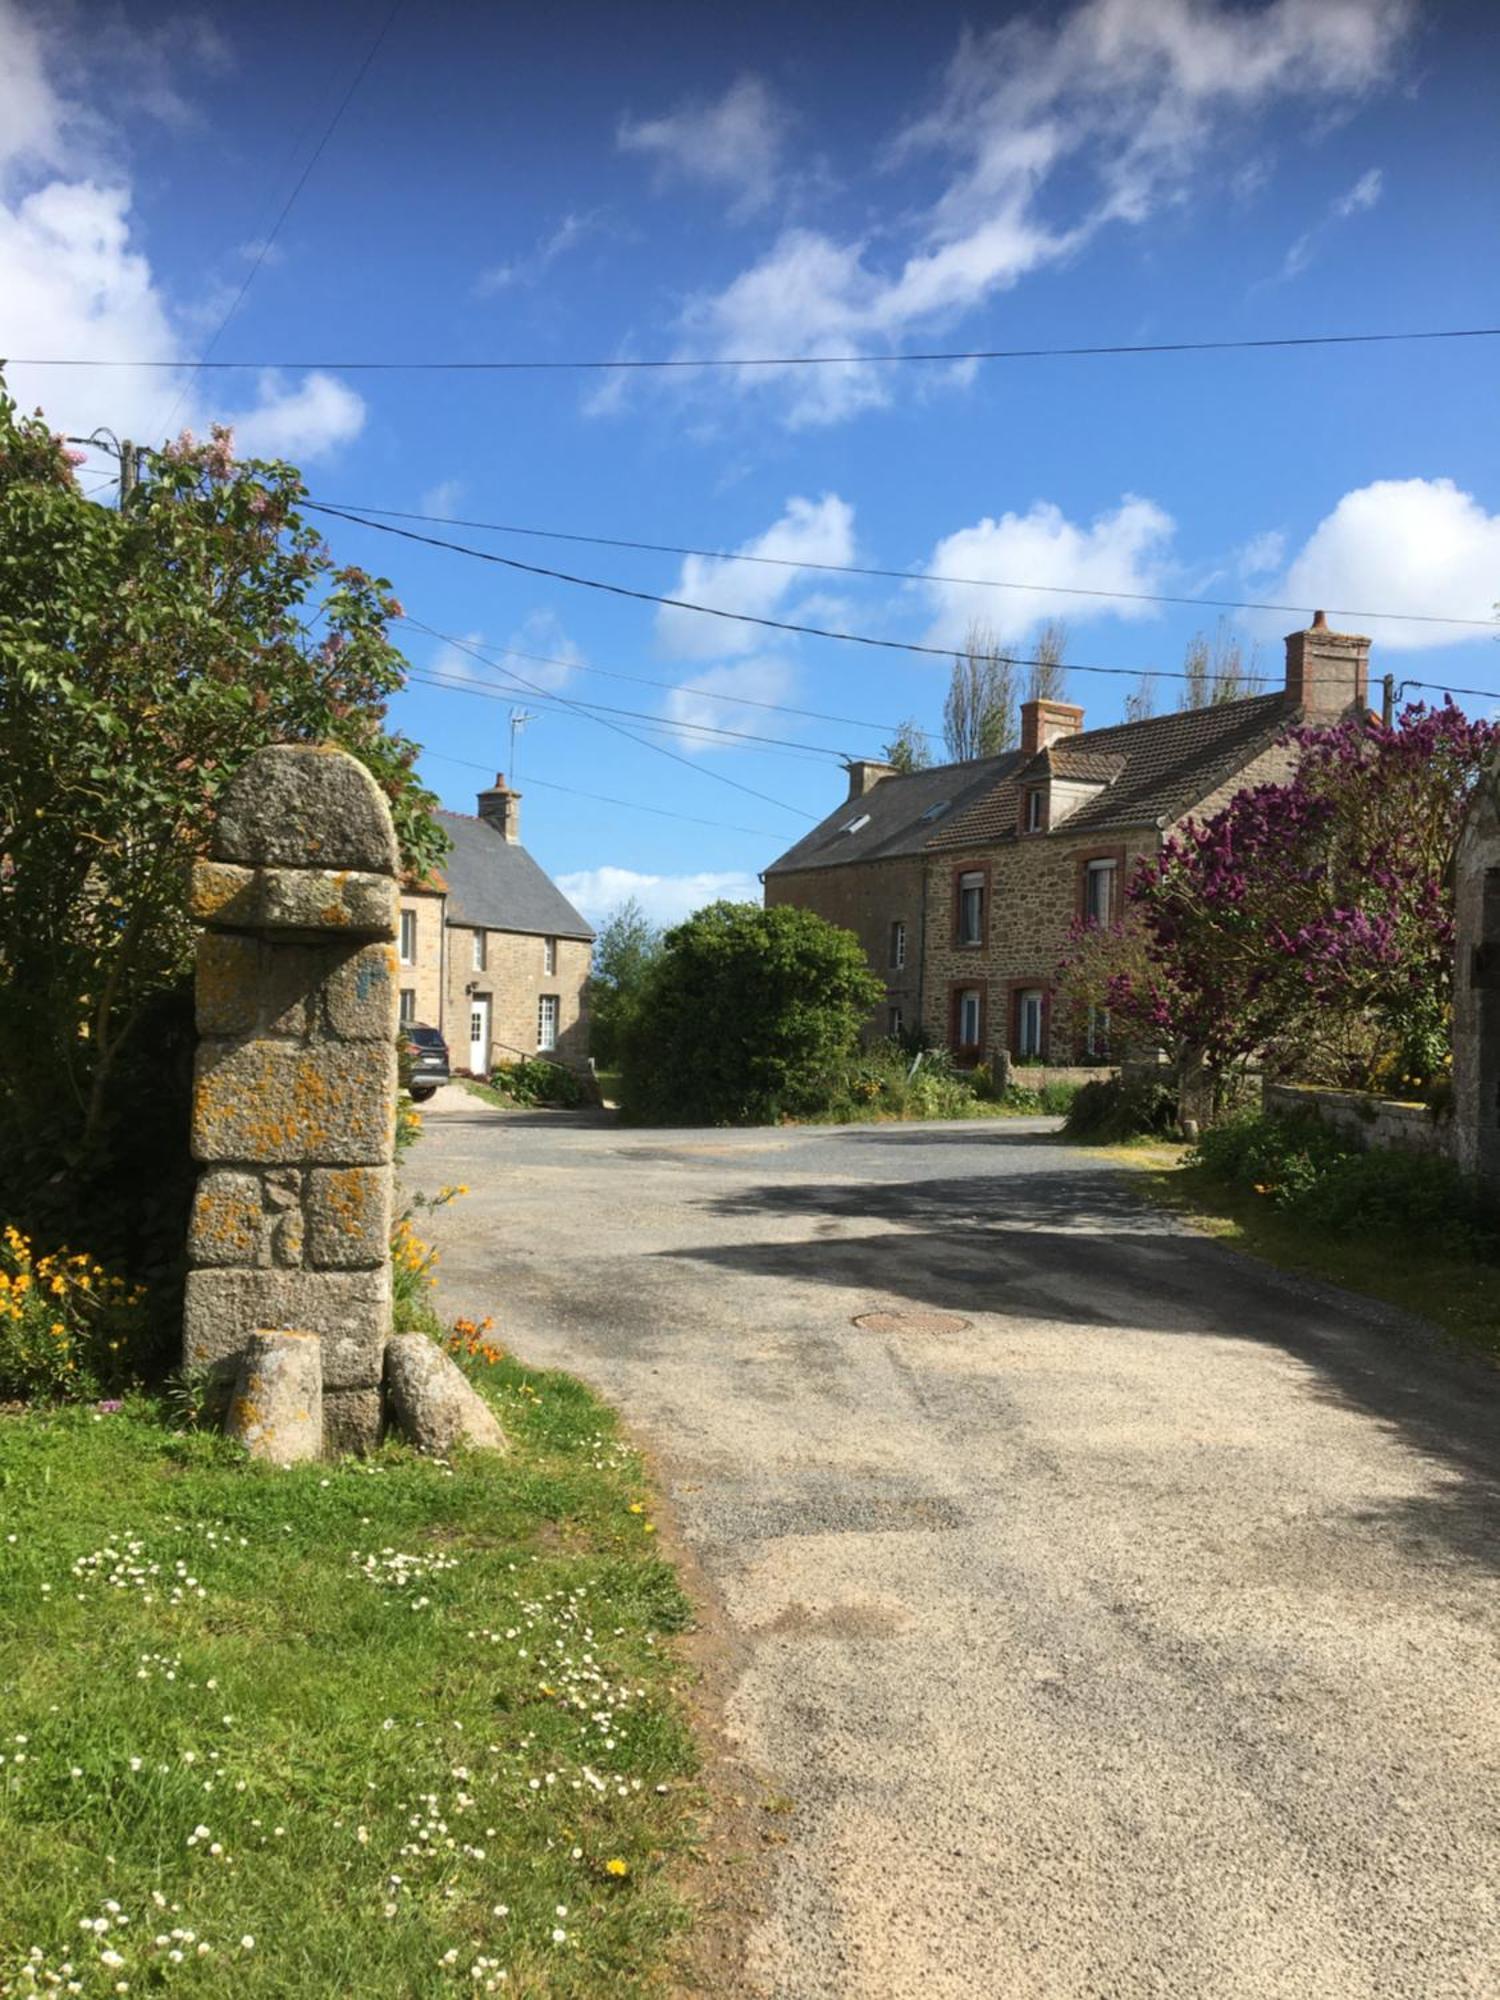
[530, 1081]
[1396, 1226]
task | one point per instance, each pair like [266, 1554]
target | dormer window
[854, 825]
[1034, 810]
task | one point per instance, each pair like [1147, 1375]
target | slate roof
[1147, 772]
[493, 884]
[898, 816]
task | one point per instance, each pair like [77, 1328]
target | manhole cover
[917, 1322]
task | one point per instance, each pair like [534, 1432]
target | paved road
[1137, 1640]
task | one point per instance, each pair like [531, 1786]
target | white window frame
[1031, 1008]
[971, 884]
[1103, 871]
[408, 953]
[898, 945]
[1096, 1038]
[547, 1011]
[481, 951]
[1036, 810]
[969, 1013]
[549, 956]
[407, 1006]
[893, 1022]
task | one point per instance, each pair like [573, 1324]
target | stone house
[490, 950]
[964, 882]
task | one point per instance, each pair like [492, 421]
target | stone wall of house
[514, 978]
[867, 897]
[423, 978]
[295, 1084]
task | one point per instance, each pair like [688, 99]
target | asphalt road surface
[1135, 1638]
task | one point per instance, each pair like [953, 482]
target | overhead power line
[603, 799]
[687, 362]
[899, 575]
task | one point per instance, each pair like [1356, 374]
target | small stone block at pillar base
[276, 1410]
[433, 1404]
[353, 1420]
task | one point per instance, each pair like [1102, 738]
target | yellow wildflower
[615, 1866]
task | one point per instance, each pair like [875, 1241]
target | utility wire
[901, 575]
[603, 799]
[619, 729]
[946, 355]
[669, 687]
[266, 242]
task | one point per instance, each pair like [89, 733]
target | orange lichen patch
[215, 884]
[226, 1227]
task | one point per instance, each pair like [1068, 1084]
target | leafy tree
[144, 654]
[1310, 923]
[748, 1016]
[979, 712]
[1217, 671]
[1049, 674]
[624, 952]
[909, 750]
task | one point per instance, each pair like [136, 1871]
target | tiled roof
[1147, 772]
[493, 884]
[897, 816]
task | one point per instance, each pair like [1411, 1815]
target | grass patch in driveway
[394, 1728]
[1459, 1294]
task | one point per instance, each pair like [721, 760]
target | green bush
[1307, 1169]
[532, 1080]
[1111, 1110]
[69, 1329]
[748, 1016]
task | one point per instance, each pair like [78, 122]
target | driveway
[1135, 1638]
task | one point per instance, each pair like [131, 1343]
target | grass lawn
[386, 1728]
[1461, 1295]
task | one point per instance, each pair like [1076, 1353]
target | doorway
[479, 1034]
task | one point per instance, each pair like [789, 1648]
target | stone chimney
[1327, 673]
[1043, 722]
[865, 773]
[500, 808]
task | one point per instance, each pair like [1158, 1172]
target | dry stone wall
[295, 1087]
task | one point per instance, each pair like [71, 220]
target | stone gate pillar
[294, 1100]
[1476, 987]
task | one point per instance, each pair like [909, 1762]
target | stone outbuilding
[964, 882]
[491, 952]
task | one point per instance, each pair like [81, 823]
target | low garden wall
[1369, 1121]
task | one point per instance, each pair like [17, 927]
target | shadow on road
[1078, 1246]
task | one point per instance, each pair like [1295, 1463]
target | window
[971, 907]
[546, 1021]
[1096, 1040]
[854, 825]
[1030, 1016]
[1099, 891]
[549, 956]
[1034, 817]
[898, 945]
[408, 937]
[479, 951]
[893, 1022]
[967, 1013]
[408, 1011]
[935, 811]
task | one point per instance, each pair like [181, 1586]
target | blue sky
[658, 181]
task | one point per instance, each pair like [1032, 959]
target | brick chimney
[865, 773]
[1042, 722]
[1327, 673]
[500, 808]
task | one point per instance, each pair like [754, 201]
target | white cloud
[569, 233]
[734, 142]
[556, 656]
[1262, 554]
[73, 277]
[666, 899]
[809, 531]
[444, 498]
[1119, 551]
[1355, 200]
[1123, 96]
[702, 700]
[1414, 545]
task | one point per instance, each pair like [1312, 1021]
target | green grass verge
[1460, 1295]
[386, 1728]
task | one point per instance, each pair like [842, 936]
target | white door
[479, 1035]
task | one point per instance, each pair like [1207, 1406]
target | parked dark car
[428, 1054]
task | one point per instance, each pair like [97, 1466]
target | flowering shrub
[469, 1341]
[414, 1266]
[68, 1329]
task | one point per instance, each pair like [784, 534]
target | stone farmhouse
[490, 950]
[964, 882]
